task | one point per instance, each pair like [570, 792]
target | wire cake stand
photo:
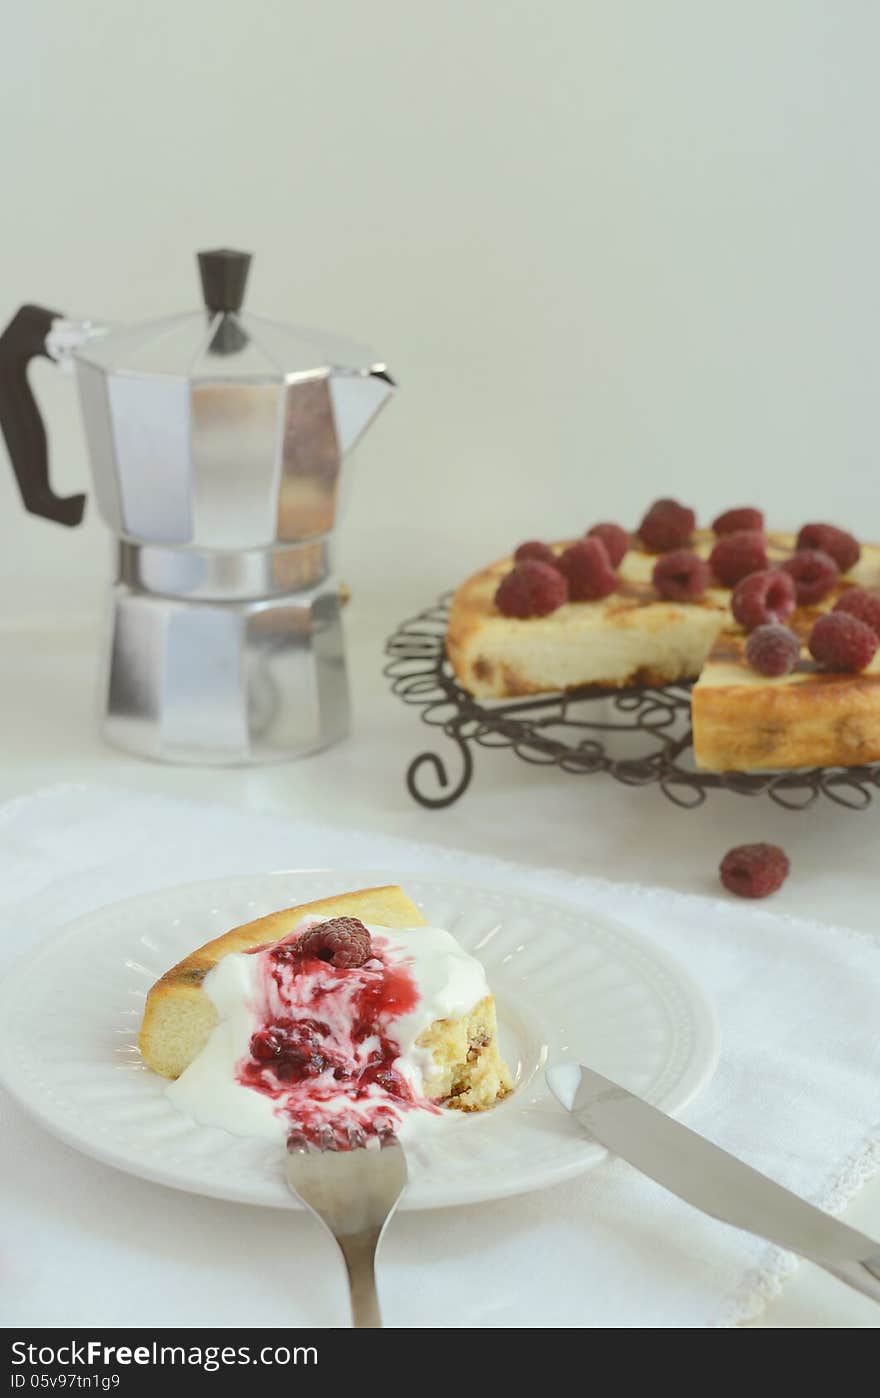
[640, 736]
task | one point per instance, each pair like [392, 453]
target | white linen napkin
[795, 1094]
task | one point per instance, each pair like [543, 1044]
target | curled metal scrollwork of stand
[641, 737]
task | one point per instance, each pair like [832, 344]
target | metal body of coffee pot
[217, 440]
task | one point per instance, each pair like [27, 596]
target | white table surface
[593, 825]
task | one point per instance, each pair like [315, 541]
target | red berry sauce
[325, 1051]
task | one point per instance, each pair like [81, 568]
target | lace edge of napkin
[762, 1283]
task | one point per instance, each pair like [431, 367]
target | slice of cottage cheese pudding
[339, 1026]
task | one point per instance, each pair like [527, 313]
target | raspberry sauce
[324, 1049]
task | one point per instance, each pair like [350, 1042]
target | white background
[610, 250]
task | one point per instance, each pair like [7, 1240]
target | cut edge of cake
[469, 1073]
[743, 722]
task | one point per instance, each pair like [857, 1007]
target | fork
[353, 1193]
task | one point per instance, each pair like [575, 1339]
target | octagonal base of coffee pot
[225, 684]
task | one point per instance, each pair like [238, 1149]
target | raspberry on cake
[348, 1014]
[681, 576]
[763, 598]
[615, 539]
[587, 568]
[840, 641]
[731, 521]
[667, 525]
[861, 603]
[773, 650]
[534, 549]
[815, 575]
[737, 555]
[343, 941]
[844, 548]
[531, 589]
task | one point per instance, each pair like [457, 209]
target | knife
[712, 1180]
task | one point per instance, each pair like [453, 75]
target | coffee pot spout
[358, 397]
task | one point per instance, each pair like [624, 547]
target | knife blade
[709, 1178]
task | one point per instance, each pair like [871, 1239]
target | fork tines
[344, 1137]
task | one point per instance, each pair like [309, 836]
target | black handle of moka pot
[24, 339]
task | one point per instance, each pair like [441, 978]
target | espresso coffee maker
[217, 440]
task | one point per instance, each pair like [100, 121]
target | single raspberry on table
[343, 941]
[732, 521]
[542, 553]
[773, 650]
[763, 598]
[738, 554]
[681, 576]
[667, 525]
[839, 641]
[861, 603]
[815, 574]
[753, 871]
[844, 548]
[531, 589]
[615, 539]
[588, 569]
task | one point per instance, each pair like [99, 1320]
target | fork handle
[359, 1252]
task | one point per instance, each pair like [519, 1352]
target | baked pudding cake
[348, 1014]
[672, 603]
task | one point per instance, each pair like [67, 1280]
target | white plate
[570, 986]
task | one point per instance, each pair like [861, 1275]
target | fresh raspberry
[681, 576]
[343, 941]
[839, 641]
[738, 554]
[615, 539]
[732, 521]
[588, 569]
[842, 547]
[542, 553]
[666, 526]
[773, 650]
[531, 589]
[753, 871]
[862, 604]
[814, 573]
[763, 598]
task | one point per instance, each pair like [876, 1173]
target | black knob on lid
[224, 275]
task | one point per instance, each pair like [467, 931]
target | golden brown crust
[366, 903]
[746, 729]
[811, 718]
[178, 1016]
